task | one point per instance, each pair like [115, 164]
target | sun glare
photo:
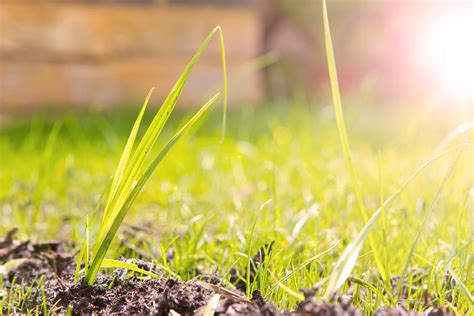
[444, 50]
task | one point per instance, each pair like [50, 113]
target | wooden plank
[78, 54]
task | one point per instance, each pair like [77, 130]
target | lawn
[279, 176]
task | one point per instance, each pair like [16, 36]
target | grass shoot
[136, 165]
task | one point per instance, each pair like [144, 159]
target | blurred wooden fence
[80, 54]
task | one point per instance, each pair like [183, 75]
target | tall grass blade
[347, 260]
[224, 79]
[336, 96]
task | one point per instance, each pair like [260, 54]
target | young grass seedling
[136, 164]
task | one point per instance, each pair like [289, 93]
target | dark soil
[49, 267]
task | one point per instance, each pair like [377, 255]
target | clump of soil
[132, 296]
[47, 270]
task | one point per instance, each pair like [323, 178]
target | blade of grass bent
[425, 221]
[347, 260]
[463, 287]
[298, 296]
[104, 244]
[110, 263]
[336, 96]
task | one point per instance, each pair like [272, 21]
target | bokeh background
[108, 53]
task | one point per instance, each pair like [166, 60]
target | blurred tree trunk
[292, 43]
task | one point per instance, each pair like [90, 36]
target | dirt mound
[44, 271]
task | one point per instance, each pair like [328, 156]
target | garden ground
[279, 178]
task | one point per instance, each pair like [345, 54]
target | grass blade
[336, 96]
[224, 79]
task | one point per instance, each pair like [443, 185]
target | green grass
[278, 176]
[346, 263]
